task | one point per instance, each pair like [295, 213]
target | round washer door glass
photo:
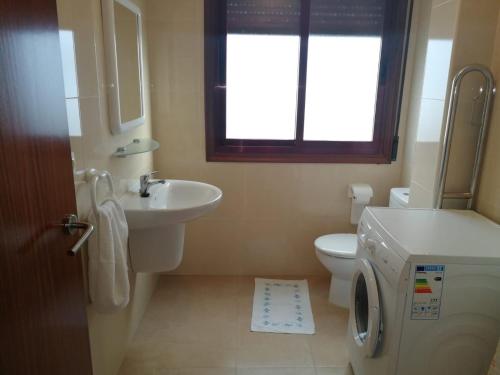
[365, 317]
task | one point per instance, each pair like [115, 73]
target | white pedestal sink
[157, 223]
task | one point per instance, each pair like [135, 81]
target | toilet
[337, 252]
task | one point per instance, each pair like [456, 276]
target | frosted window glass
[341, 92]
[73, 113]
[67, 41]
[262, 83]
[437, 66]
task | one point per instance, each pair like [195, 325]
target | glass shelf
[138, 146]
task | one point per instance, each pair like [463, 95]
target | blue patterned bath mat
[282, 306]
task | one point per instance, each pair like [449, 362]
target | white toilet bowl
[337, 252]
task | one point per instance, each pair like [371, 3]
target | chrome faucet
[146, 184]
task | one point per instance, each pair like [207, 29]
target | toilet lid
[341, 245]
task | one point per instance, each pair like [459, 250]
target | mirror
[122, 26]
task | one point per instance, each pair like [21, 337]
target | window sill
[287, 157]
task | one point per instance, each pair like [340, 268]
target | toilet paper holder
[361, 194]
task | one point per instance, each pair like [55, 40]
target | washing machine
[425, 297]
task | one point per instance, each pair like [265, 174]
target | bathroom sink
[157, 223]
[174, 202]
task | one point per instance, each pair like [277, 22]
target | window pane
[67, 43]
[341, 93]
[73, 113]
[262, 83]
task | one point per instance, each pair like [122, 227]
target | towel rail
[92, 176]
[448, 135]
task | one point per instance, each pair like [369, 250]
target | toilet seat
[341, 245]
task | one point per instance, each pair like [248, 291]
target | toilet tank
[399, 197]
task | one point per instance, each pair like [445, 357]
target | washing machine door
[365, 316]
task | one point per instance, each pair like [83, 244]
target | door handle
[70, 225]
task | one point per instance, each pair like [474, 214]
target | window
[304, 80]
[68, 55]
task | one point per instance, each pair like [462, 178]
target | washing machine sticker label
[427, 291]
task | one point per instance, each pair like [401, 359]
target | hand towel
[109, 286]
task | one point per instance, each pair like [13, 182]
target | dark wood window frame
[383, 148]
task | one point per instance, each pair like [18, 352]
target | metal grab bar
[448, 135]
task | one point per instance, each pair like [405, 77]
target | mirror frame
[111, 59]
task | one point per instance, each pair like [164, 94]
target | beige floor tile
[193, 310]
[332, 323]
[198, 371]
[148, 352]
[274, 352]
[334, 370]
[198, 325]
[247, 338]
[319, 286]
[215, 333]
[193, 299]
[198, 286]
[246, 286]
[275, 371]
[131, 367]
[195, 356]
[245, 304]
[166, 355]
[329, 351]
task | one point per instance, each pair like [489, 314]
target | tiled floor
[200, 326]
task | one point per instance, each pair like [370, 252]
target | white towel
[109, 286]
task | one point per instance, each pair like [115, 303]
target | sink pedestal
[156, 249]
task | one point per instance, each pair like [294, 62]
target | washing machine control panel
[379, 251]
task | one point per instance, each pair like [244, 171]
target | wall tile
[279, 208]
[439, 48]
[270, 191]
[212, 247]
[109, 334]
[488, 202]
[426, 164]
[430, 120]
[231, 179]
[460, 33]
[420, 197]
[415, 78]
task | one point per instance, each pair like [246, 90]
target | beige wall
[271, 213]
[109, 334]
[429, 102]
[415, 79]
[489, 190]
[475, 38]
[488, 202]
[459, 32]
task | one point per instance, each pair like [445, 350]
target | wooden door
[43, 324]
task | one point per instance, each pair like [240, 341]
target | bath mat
[282, 306]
